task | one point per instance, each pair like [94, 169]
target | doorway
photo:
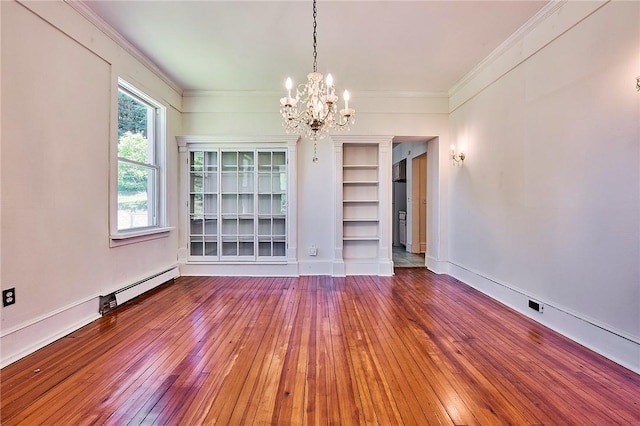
[419, 205]
[409, 201]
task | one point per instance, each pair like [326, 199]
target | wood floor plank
[377, 341]
[262, 406]
[399, 367]
[419, 328]
[349, 406]
[413, 349]
[224, 364]
[328, 390]
[292, 386]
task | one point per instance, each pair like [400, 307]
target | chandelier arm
[345, 123]
[329, 112]
[300, 91]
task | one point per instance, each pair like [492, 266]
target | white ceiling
[395, 46]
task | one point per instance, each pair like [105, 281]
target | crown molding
[400, 94]
[231, 93]
[533, 22]
[84, 10]
[273, 93]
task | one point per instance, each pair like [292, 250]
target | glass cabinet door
[203, 204]
[272, 204]
[238, 205]
[238, 213]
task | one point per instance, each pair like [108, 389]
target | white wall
[547, 203]
[59, 86]
[237, 114]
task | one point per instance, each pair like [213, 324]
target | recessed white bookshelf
[363, 205]
[359, 250]
[360, 201]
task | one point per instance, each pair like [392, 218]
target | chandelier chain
[315, 38]
[313, 110]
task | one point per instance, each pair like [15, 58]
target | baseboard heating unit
[113, 300]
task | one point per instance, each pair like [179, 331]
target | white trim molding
[436, 266]
[124, 238]
[552, 21]
[234, 269]
[613, 344]
[24, 339]
[116, 37]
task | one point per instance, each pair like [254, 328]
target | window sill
[124, 238]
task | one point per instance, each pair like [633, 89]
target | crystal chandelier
[312, 112]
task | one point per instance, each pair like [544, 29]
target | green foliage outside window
[132, 145]
[132, 115]
[132, 179]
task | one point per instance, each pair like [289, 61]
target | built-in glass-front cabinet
[237, 204]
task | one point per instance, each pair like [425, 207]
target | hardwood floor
[414, 349]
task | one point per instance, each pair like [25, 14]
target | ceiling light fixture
[312, 112]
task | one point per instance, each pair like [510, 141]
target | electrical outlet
[8, 296]
[536, 306]
[313, 250]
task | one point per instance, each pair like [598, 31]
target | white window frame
[157, 133]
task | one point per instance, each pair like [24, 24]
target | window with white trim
[141, 161]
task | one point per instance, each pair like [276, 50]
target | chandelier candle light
[312, 112]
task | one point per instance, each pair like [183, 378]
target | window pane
[264, 160]
[135, 147]
[196, 246]
[212, 161]
[197, 161]
[196, 182]
[197, 204]
[135, 196]
[279, 161]
[196, 226]
[135, 128]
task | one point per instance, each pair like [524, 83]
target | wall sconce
[457, 157]
[638, 83]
